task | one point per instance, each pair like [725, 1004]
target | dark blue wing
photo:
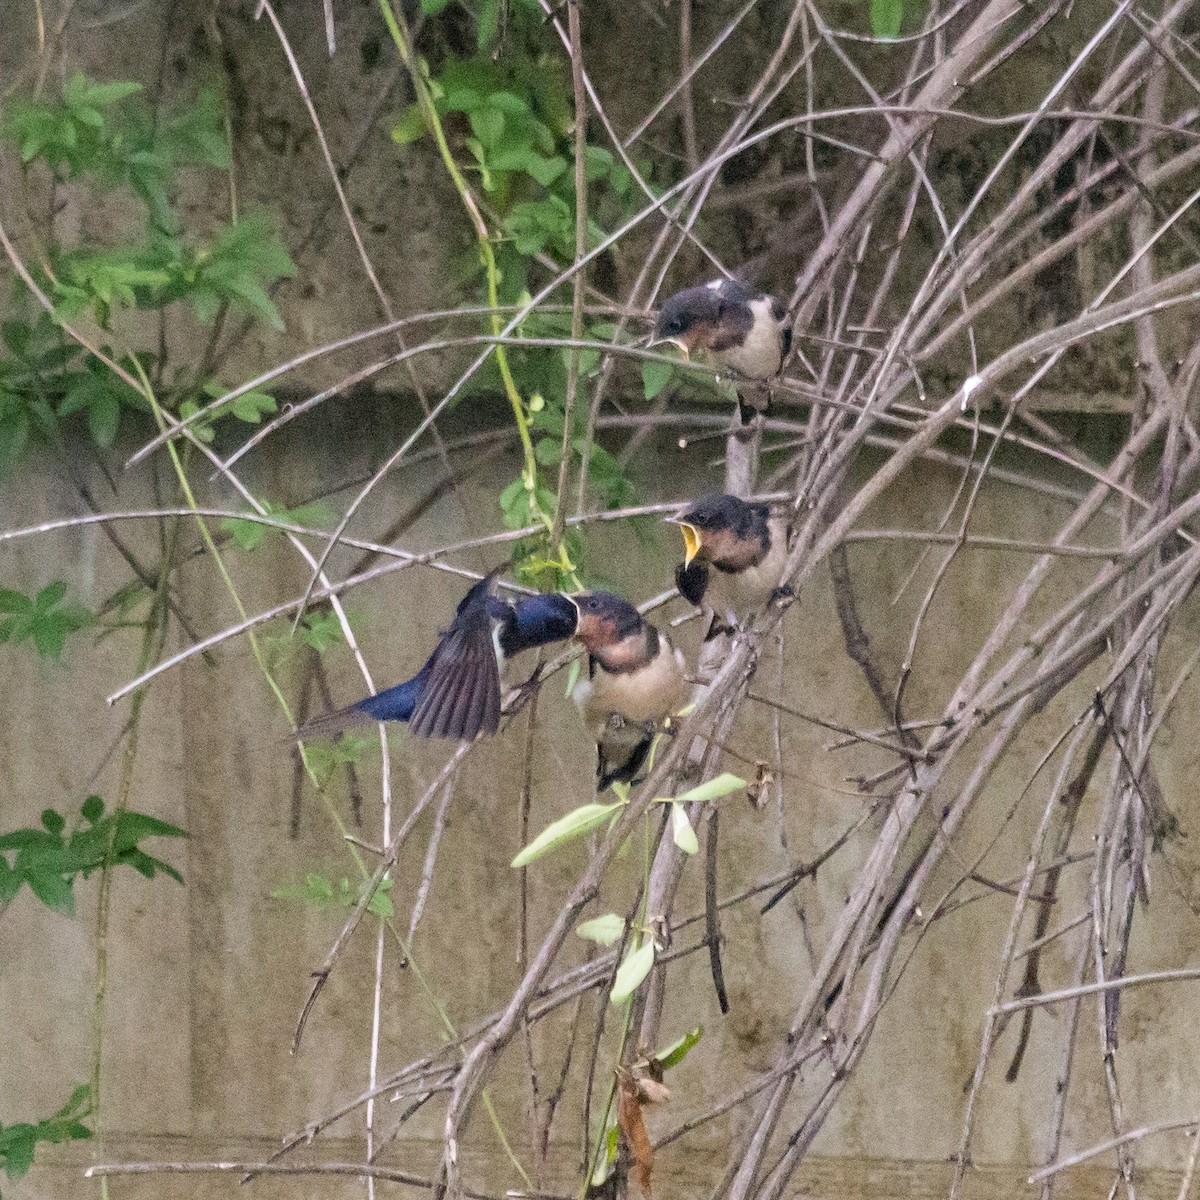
[461, 698]
[536, 621]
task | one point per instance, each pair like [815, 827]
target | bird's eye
[675, 325]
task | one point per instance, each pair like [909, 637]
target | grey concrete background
[207, 980]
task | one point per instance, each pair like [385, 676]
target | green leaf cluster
[321, 893]
[249, 533]
[50, 859]
[886, 17]
[104, 136]
[108, 132]
[232, 269]
[510, 121]
[42, 618]
[19, 1141]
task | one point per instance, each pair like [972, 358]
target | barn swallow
[740, 330]
[635, 681]
[456, 694]
[734, 555]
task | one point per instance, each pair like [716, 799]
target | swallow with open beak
[635, 681]
[740, 330]
[456, 694]
[733, 557]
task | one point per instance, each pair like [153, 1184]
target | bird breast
[748, 590]
[648, 693]
[761, 354]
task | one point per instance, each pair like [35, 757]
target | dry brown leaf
[758, 792]
[651, 1091]
[633, 1130]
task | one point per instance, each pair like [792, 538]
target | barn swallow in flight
[740, 330]
[635, 681]
[456, 694]
[734, 555]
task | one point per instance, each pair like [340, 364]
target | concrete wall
[206, 980]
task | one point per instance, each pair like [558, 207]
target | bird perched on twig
[734, 556]
[635, 681]
[456, 694]
[740, 330]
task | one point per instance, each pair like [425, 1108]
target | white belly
[650, 693]
[749, 590]
[761, 355]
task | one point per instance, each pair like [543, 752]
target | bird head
[713, 316]
[603, 619]
[716, 523]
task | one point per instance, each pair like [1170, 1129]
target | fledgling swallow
[734, 555]
[739, 330]
[635, 681]
[456, 694]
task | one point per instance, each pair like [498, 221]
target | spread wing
[461, 698]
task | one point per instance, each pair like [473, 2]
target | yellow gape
[691, 543]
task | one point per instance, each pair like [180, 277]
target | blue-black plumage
[739, 329]
[735, 553]
[456, 694]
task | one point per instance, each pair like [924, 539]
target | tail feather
[331, 724]
[608, 773]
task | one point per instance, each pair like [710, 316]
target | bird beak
[691, 542]
[575, 605]
[678, 343]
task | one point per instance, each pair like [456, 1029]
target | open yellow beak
[691, 543]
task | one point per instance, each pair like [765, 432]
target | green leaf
[54, 891]
[320, 892]
[104, 94]
[53, 822]
[886, 17]
[655, 376]
[18, 1142]
[720, 785]
[14, 602]
[602, 930]
[682, 831]
[432, 7]
[674, 1053]
[597, 161]
[574, 825]
[632, 971]
[41, 619]
[573, 675]
[410, 127]
[608, 1156]
[320, 630]
[104, 417]
[489, 23]
[487, 124]
[253, 406]
[92, 810]
[49, 596]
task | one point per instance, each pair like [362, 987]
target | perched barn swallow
[635, 680]
[456, 694]
[734, 555]
[740, 330]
